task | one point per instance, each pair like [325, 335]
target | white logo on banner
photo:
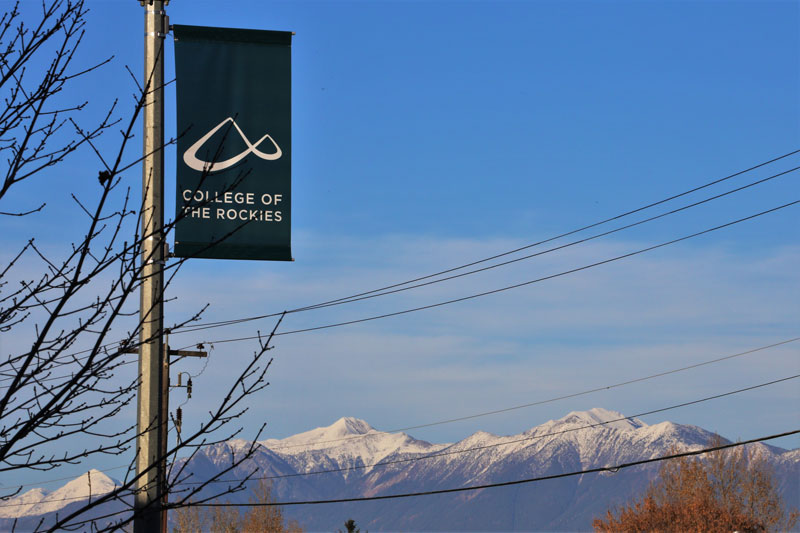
[190, 156]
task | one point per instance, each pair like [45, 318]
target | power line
[356, 297]
[67, 478]
[563, 246]
[503, 254]
[520, 284]
[464, 450]
[612, 469]
[434, 455]
[622, 215]
[34, 504]
[375, 294]
[497, 411]
[78, 359]
[67, 376]
[75, 359]
[517, 285]
[380, 291]
[554, 399]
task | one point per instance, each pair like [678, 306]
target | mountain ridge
[350, 448]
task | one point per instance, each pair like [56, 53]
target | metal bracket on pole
[188, 353]
[162, 26]
[175, 353]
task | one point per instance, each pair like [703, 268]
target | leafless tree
[73, 314]
[260, 518]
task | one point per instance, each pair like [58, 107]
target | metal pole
[151, 425]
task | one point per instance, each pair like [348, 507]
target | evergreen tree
[350, 526]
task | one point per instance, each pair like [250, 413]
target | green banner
[234, 145]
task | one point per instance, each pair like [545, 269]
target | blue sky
[430, 134]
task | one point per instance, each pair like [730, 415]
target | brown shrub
[727, 490]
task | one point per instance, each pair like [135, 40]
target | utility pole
[151, 422]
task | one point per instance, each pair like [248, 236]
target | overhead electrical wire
[463, 450]
[358, 296]
[487, 413]
[551, 400]
[73, 356]
[375, 294]
[500, 289]
[556, 248]
[517, 285]
[68, 376]
[612, 469]
[435, 455]
[67, 478]
[188, 328]
[69, 498]
[78, 359]
[571, 271]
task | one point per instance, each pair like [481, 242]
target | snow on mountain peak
[354, 449]
[344, 429]
[350, 426]
[347, 442]
[23, 503]
[601, 418]
[38, 501]
[93, 482]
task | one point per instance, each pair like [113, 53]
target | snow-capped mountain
[351, 459]
[348, 442]
[40, 501]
